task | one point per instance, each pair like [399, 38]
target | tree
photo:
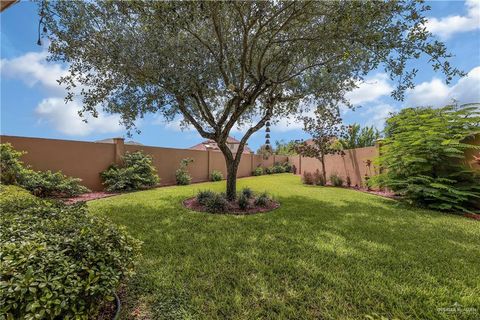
[225, 64]
[285, 148]
[264, 151]
[424, 156]
[325, 128]
[357, 137]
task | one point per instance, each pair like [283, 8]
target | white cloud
[436, 93]
[447, 26]
[33, 69]
[370, 90]
[376, 114]
[64, 118]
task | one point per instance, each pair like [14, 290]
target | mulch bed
[88, 196]
[472, 216]
[234, 209]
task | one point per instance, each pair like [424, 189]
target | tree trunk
[324, 172]
[232, 168]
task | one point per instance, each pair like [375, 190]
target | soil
[88, 196]
[192, 204]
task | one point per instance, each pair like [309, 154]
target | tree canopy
[225, 64]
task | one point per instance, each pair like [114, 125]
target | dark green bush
[217, 204]
[336, 180]
[262, 200]
[278, 168]
[48, 184]
[287, 167]
[423, 155]
[258, 171]
[216, 176]
[247, 192]
[349, 181]
[58, 262]
[181, 175]
[243, 201]
[40, 183]
[269, 170]
[137, 172]
[204, 195]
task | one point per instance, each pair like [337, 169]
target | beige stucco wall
[86, 160]
[352, 164]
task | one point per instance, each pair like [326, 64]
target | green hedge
[56, 261]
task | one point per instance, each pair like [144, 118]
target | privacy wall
[85, 160]
[355, 163]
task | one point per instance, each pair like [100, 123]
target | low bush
[57, 261]
[262, 200]
[258, 171]
[308, 178]
[349, 182]
[318, 178]
[243, 201]
[288, 167]
[182, 175]
[52, 184]
[336, 180]
[278, 169]
[269, 170]
[247, 192]
[11, 168]
[40, 183]
[136, 173]
[217, 204]
[216, 176]
[204, 195]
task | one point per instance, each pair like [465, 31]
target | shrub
[336, 180]
[308, 178]
[243, 201]
[217, 204]
[48, 184]
[287, 167]
[40, 183]
[247, 192]
[204, 196]
[11, 195]
[318, 178]
[262, 200]
[258, 171]
[269, 170]
[57, 261]
[278, 169]
[423, 155]
[216, 176]
[137, 172]
[349, 182]
[181, 175]
[11, 167]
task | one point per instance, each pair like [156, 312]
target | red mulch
[472, 216]
[88, 196]
[192, 204]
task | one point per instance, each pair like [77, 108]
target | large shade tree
[224, 64]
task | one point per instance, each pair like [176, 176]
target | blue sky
[32, 103]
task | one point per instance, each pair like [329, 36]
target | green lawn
[327, 253]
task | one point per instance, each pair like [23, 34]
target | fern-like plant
[423, 157]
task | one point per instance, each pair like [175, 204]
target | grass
[327, 253]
